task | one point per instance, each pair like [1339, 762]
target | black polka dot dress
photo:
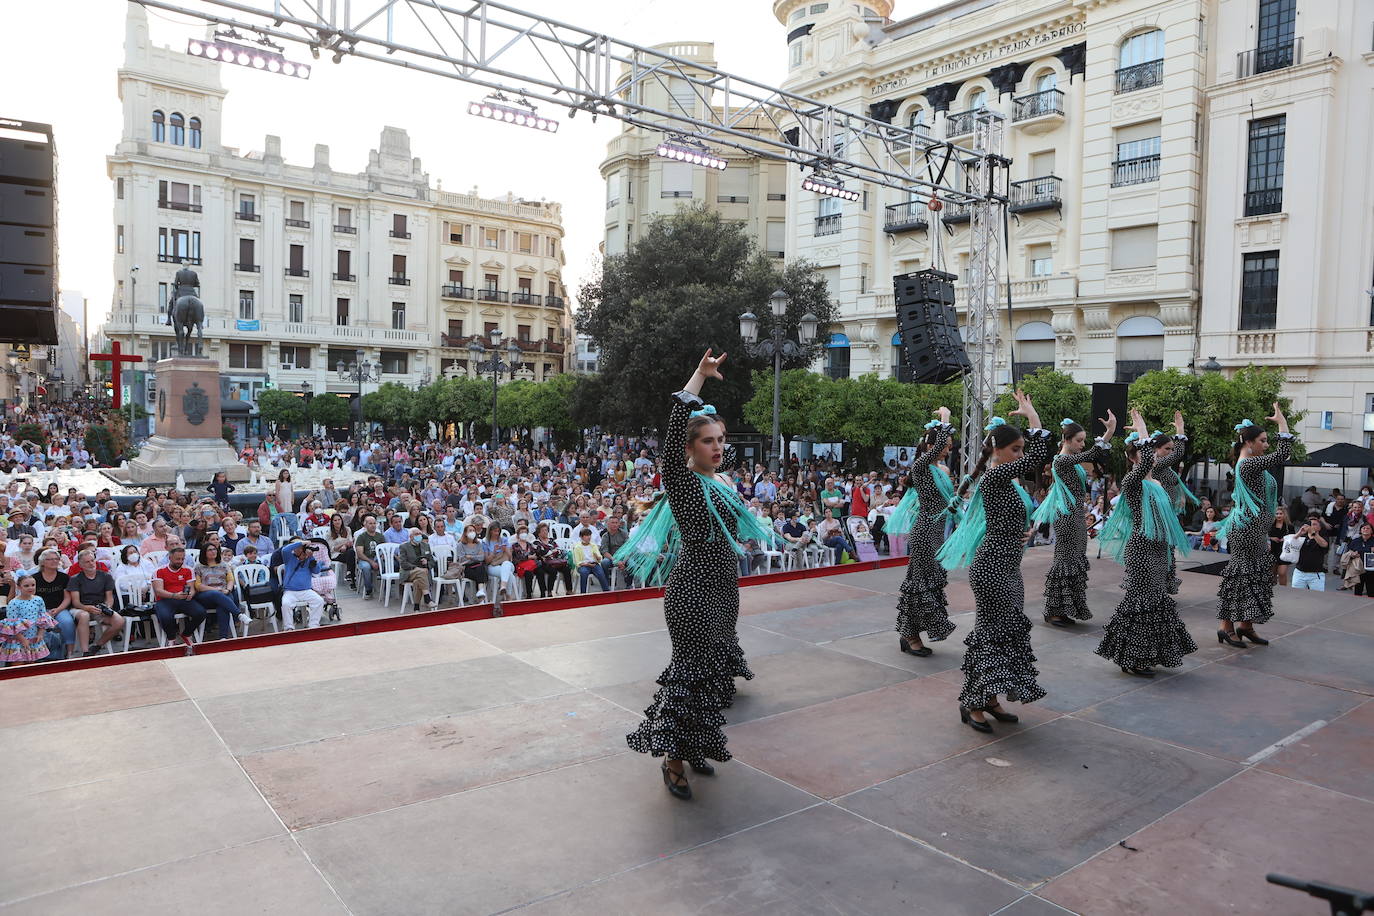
[1166, 472]
[701, 607]
[921, 606]
[1066, 584]
[999, 658]
[1145, 631]
[1247, 585]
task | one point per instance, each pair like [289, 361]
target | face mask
[134, 558]
[416, 538]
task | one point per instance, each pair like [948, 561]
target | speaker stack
[1111, 396]
[929, 328]
[28, 233]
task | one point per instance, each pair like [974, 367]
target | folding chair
[248, 574]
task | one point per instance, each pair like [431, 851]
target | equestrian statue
[188, 312]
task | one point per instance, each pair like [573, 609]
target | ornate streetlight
[495, 367]
[775, 347]
[360, 370]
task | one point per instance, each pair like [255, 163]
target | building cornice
[171, 84]
[1300, 81]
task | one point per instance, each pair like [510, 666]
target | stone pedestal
[188, 440]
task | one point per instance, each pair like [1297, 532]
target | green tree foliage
[281, 408]
[678, 290]
[226, 433]
[1212, 405]
[1056, 397]
[585, 400]
[32, 432]
[392, 405]
[800, 392]
[550, 407]
[328, 410]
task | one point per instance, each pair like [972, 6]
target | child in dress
[21, 638]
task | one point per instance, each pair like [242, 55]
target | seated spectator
[341, 546]
[395, 530]
[262, 542]
[472, 560]
[174, 592]
[415, 562]
[92, 593]
[365, 553]
[586, 556]
[613, 539]
[796, 537]
[832, 537]
[497, 554]
[214, 590]
[298, 568]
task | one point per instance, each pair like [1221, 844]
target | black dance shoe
[1058, 621]
[676, 783]
[973, 723]
[1001, 715]
[922, 652]
[1228, 639]
[1249, 633]
[704, 768]
[1138, 672]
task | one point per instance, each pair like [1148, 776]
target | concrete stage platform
[481, 768]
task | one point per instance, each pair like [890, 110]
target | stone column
[188, 440]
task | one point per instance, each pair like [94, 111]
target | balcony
[1038, 112]
[493, 295]
[248, 268]
[398, 281]
[346, 230]
[346, 278]
[612, 203]
[828, 225]
[179, 205]
[297, 272]
[686, 194]
[1266, 60]
[521, 297]
[1128, 370]
[455, 291]
[399, 235]
[556, 302]
[956, 213]
[960, 123]
[1036, 194]
[247, 215]
[298, 223]
[177, 259]
[732, 198]
[1141, 170]
[1264, 202]
[1140, 76]
[911, 216]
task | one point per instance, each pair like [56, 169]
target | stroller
[324, 583]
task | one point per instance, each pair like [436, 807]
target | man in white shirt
[441, 539]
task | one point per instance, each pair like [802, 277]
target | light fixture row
[831, 187]
[512, 114]
[247, 56]
[681, 152]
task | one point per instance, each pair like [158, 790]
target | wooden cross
[116, 359]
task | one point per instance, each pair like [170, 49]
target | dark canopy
[1340, 455]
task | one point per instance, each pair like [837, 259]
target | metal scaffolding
[988, 178]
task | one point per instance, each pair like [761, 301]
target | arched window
[194, 126]
[159, 127]
[1034, 349]
[916, 119]
[898, 360]
[1047, 81]
[1142, 48]
[979, 99]
[837, 356]
[177, 135]
[1140, 347]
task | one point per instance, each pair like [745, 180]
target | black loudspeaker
[1108, 396]
[28, 233]
[929, 328]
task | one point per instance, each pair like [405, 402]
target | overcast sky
[64, 73]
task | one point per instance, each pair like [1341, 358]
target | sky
[66, 76]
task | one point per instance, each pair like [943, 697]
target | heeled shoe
[1062, 622]
[1224, 637]
[973, 723]
[1249, 633]
[676, 783]
[1138, 672]
[1001, 715]
[921, 652]
[704, 768]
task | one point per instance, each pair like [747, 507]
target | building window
[1259, 291]
[455, 277]
[119, 239]
[1141, 64]
[341, 312]
[916, 121]
[398, 266]
[487, 328]
[1041, 260]
[159, 127]
[491, 238]
[247, 255]
[677, 179]
[455, 330]
[1140, 343]
[1275, 34]
[398, 226]
[1134, 248]
[119, 189]
[337, 356]
[177, 245]
[295, 357]
[1047, 81]
[553, 243]
[394, 362]
[978, 100]
[1033, 349]
[162, 292]
[1264, 166]
[295, 308]
[1137, 159]
[553, 288]
[344, 219]
[343, 264]
[491, 281]
[837, 356]
[246, 305]
[245, 356]
[795, 51]
[177, 123]
[398, 316]
[296, 210]
[524, 242]
[522, 332]
[194, 126]
[296, 261]
[828, 213]
[248, 205]
[177, 195]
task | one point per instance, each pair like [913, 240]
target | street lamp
[776, 346]
[360, 370]
[1211, 365]
[495, 366]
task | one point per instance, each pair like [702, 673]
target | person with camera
[298, 568]
[1310, 571]
[92, 592]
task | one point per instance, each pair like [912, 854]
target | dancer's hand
[1025, 538]
[709, 367]
[1138, 423]
[1279, 418]
[1178, 422]
[1109, 424]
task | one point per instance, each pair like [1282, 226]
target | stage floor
[482, 768]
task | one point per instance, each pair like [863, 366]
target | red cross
[116, 359]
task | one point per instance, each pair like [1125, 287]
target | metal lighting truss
[508, 50]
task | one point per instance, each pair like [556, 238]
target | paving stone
[1317, 656]
[67, 695]
[1336, 756]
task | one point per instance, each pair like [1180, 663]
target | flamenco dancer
[1247, 589]
[993, 532]
[1166, 472]
[922, 605]
[1145, 631]
[699, 533]
[1066, 586]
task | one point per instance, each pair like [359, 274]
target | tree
[678, 290]
[1212, 405]
[100, 442]
[328, 410]
[868, 413]
[800, 391]
[513, 402]
[468, 401]
[392, 405]
[550, 407]
[1056, 397]
[32, 432]
[281, 408]
[585, 402]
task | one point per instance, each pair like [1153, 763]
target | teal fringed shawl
[1159, 524]
[1059, 500]
[904, 516]
[959, 549]
[1247, 504]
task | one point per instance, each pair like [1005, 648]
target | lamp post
[776, 346]
[495, 366]
[360, 370]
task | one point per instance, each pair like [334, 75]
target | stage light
[831, 187]
[681, 149]
[253, 58]
[521, 113]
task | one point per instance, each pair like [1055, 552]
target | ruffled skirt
[12, 650]
[1247, 583]
[999, 658]
[1066, 584]
[921, 605]
[1145, 630]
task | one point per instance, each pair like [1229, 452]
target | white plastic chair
[449, 574]
[284, 527]
[247, 574]
[561, 531]
[320, 531]
[132, 591]
[157, 559]
[192, 557]
[386, 568]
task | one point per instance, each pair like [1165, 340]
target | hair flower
[994, 423]
[1241, 425]
[932, 424]
[1132, 437]
[707, 410]
[1065, 422]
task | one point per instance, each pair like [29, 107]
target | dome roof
[783, 9]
